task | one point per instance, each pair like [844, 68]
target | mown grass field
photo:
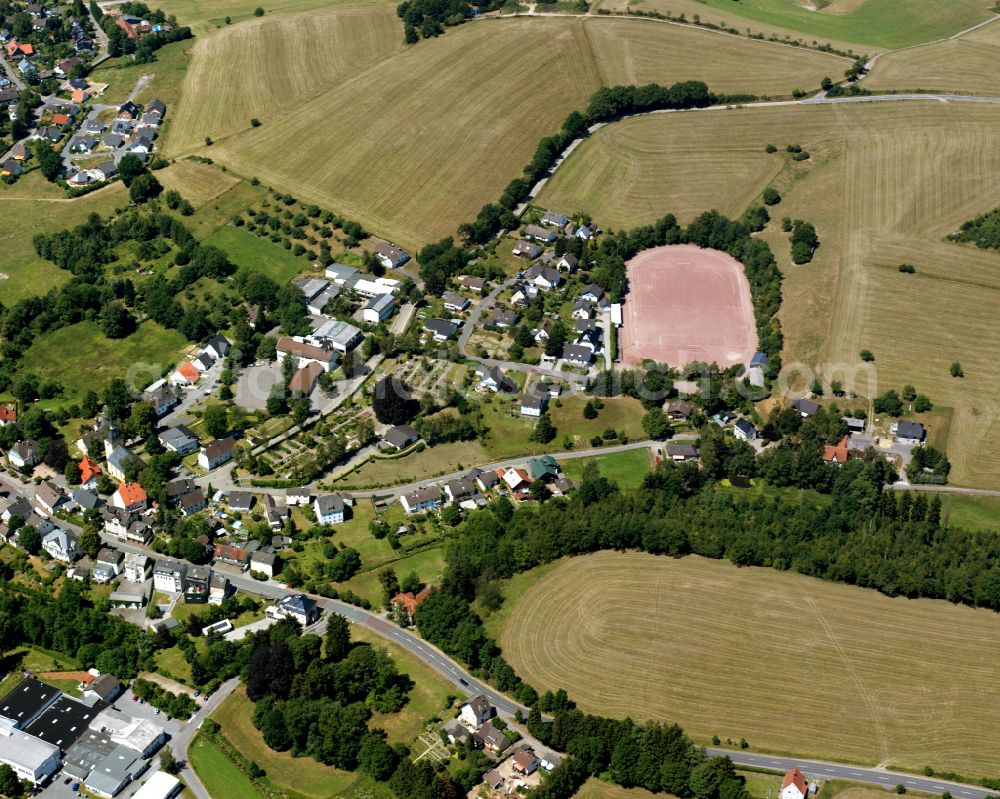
[81, 357]
[251, 252]
[736, 652]
[166, 77]
[205, 18]
[412, 146]
[303, 775]
[34, 209]
[969, 65]
[218, 773]
[884, 185]
[869, 24]
[628, 468]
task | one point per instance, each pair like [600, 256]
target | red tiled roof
[60, 119]
[7, 414]
[836, 453]
[131, 494]
[188, 371]
[796, 778]
[409, 601]
[88, 469]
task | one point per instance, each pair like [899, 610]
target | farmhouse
[794, 785]
[410, 601]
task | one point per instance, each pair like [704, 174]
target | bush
[254, 122]
[771, 196]
[908, 269]
[867, 356]
[770, 149]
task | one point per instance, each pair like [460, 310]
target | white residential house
[794, 786]
[296, 497]
[378, 309]
[296, 606]
[263, 562]
[744, 430]
[329, 509]
[61, 545]
[136, 567]
[216, 453]
[168, 575]
[477, 711]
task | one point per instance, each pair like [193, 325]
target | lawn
[970, 65]
[167, 76]
[723, 650]
[884, 186]
[428, 565]
[30, 207]
[628, 468]
[417, 188]
[81, 357]
[33, 659]
[869, 24]
[426, 699]
[171, 663]
[248, 251]
[971, 512]
[303, 776]
[218, 773]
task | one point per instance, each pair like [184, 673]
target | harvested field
[687, 304]
[736, 652]
[197, 182]
[885, 184]
[262, 67]
[969, 65]
[452, 140]
[870, 25]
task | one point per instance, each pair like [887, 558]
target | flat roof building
[160, 786]
[65, 721]
[115, 771]
[31, 758]
[29, 699]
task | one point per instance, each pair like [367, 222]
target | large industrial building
[40, 728]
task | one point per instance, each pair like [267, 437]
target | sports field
[869, 25]
[969, 65]
[687, 304]
[413, 145]
[884, 185]
[794, 664]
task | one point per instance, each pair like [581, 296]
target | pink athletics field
[687, 304]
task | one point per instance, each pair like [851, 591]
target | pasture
[870, 25]
[969, 65]
[451, 140]
[81, 357]
[884, 185]
[32, 210]
[736, 652]
[248, 251]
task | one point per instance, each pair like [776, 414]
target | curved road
[464, 682]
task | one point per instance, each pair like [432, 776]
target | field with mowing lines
[736, 652]
[262, 67]
[884, 186]
[197, 182]
[871, 25]
[205, 18]
[26, 217]
[454, 139]
[970, 65]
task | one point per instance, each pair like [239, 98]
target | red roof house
[794, 785]
[7, 415]
[409, 601]
[88, 472]
[836, 453]
[129, 496]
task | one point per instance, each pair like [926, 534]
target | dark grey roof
[808, 407]
[27, 700]
[909, 430]
[401, 435]
[746, 427]
[65, 721]
[329, 503]
[440, 327]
